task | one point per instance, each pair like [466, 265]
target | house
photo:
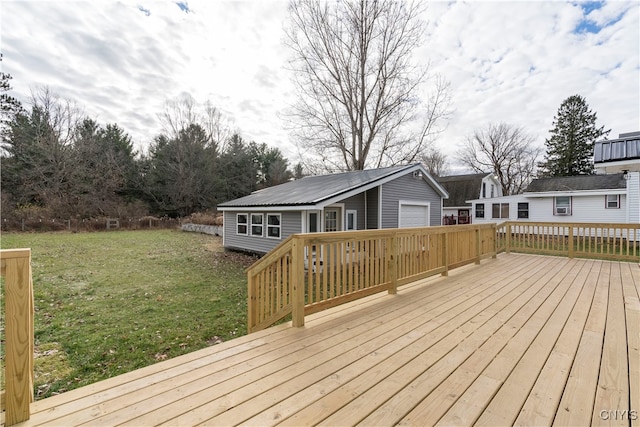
[400, 196]
[461, 188]
[611, 196]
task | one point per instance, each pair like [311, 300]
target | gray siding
[291, 223]
[356, 203]
[373, 208]
[408, 188]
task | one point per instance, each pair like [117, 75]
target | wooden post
[445, 253]
[297, 284]
[392, 264]
[495, 240]
[508, 242]
[19, 309]
[251, 301]
[478, 246]
[571, 246]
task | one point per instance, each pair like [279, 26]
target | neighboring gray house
[400, 196]
[461, 188]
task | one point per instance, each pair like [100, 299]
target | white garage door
[412, 215]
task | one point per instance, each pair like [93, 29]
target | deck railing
[591, 240]
[15, 267]
[308, 273]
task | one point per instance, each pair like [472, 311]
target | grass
[110, 303]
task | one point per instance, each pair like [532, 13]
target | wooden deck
[521, 339]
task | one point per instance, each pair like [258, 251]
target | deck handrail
[15, 267]
[617, 241]
[311, 272]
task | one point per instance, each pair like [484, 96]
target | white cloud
[507, 61]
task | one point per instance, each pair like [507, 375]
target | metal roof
[577, 183]
[312, 190]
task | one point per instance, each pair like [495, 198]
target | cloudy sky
[509, 61]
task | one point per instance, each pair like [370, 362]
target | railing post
[571, 246]
[495, 240]
[19, 335]
[445, 253]
[297, 285]
[478, 245]
[392, 264]
[508, 242]
[252, 302]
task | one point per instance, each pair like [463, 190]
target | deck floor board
[521, 339]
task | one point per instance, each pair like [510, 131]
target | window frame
[245, 224]
[354, 214]
[255, 224]
[501, 210]
[617, 201]
[477, 211]
[523, 210]
[273, 226]
[568, 206]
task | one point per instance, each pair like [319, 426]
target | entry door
[332, 219]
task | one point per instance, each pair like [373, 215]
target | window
[500, 210]
[313, 222]
[241, 224]
[479, 210]
[484, 190]
[352, 220]
[256, 225]
[562, 205]
[273, 226]
[523, 210]
[492, 190]
[612, 201]
[331, 220]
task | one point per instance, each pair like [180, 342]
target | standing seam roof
[313, 189]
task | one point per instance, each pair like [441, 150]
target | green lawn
[111, 302]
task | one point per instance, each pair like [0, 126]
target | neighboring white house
[611, 196]
[456, 209]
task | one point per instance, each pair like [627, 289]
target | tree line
[57, 163]
[358, 106]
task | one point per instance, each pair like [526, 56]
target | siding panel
[408, 188]
[291, 223]
[373, 208]
[356, 203]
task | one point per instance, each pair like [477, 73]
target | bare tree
[183, 112]
[505, 150]
[435, 162]
[358, 101]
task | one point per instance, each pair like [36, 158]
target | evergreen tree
[570, 147]
[9, 106]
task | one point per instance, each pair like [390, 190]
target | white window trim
[251, 224]
[279, 227]
[555, 207]
[518, 210]
[500, 204]
[245, 224]
[606, 201]
[355, 219]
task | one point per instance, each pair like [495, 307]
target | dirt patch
[50, 365]
[214, 245]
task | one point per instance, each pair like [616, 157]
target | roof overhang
[580, 193]
[335, 198]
